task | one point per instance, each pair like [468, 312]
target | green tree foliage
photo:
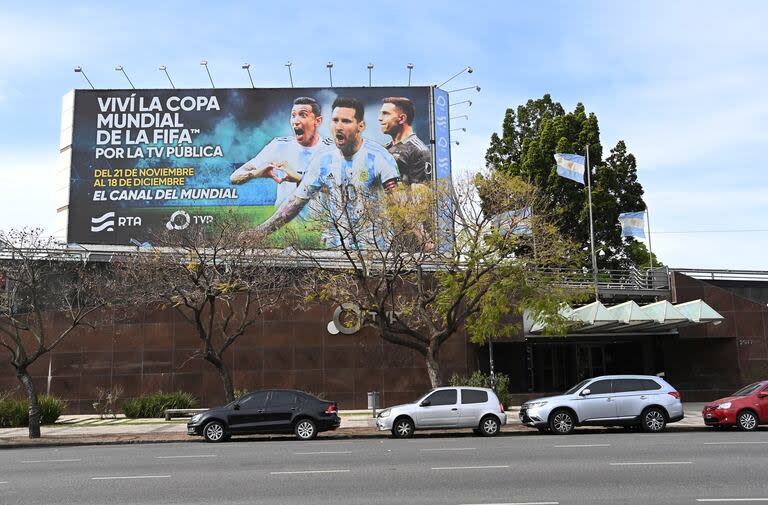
[532, 134]
[419, 283]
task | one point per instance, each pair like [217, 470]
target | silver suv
[446, 407]
[646, 401]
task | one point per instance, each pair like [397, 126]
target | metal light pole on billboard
[247, 68]
[466, 69]
[80, 70]
[330, 72]
[165, 69]
[410, 69]
[120, 68]
[290, 75]
[591, 227]
[205, 64]
[476, 88]
[370, 71]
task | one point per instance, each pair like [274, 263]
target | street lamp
[120, 68]
[247, 68]
[468, 102]
[410, 69]
[370, 70]
[330, 72]
[165, 69]
[205, 64]
[463, 89]
[290, 75]
[459, 129]
[465, 69]
[459, 117]
[80, 70]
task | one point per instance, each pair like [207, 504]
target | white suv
[646, 401]
[446, 407]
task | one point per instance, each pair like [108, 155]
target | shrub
[106, 401]
[15, 413]
[154, 404]
[481, 380]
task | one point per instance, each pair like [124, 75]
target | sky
[682, 83]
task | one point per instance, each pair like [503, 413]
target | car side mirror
[236, 406]
[425, 403]
[586, 392]
[762, 395]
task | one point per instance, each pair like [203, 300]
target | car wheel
[747, 420]
[489, 426]
[305, 429]
[403, 428]
[561, 422]
[653, 420]
[214, 432]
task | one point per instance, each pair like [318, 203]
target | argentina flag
[632, 224]
[570, 166]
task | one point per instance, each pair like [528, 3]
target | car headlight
[533, 405]
[195, 418]
[385, 413]
[726, 405]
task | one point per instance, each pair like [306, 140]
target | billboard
[143, 161]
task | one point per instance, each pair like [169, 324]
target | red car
[746, 408]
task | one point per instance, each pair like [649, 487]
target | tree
[43, 283]
[418, 280]
[530, 138]
[216, 277]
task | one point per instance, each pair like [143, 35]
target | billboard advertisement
[143, 161]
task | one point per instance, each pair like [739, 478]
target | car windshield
[576, 387]
[748, 390]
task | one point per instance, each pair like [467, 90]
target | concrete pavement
[88, 430]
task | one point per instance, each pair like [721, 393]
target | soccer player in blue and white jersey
[358, 163]
[285, 159]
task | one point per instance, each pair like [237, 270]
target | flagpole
[591, 228]
[650, 249]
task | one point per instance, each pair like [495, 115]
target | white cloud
[28, 189]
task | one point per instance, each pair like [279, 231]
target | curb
[340, 434]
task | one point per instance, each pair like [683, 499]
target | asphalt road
[612, 467]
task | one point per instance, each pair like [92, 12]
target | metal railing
[724, 275]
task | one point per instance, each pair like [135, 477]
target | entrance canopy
[629, 317]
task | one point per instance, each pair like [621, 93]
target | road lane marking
[585, 445]
[633, 463]
[729, 443]
[52, 461]
[133, 477]
[4, 482]
[450, 449]
[519, 503]
[321, 452]
[468, 467]
[730, 499]
[188, 456]
[308, 471]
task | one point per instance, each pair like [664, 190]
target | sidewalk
[90, 430]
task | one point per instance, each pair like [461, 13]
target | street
[587, 468]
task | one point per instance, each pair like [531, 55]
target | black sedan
[267, 411]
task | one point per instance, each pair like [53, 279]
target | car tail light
[332, 408]
[675, 394]
[501, 408]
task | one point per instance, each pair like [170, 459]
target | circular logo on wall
[179, 221]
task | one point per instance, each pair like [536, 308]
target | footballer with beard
[414, 159]
[356, 163]
[285, 159]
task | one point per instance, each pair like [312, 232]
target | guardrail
[724, 275]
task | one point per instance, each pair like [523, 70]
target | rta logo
[104, 222]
